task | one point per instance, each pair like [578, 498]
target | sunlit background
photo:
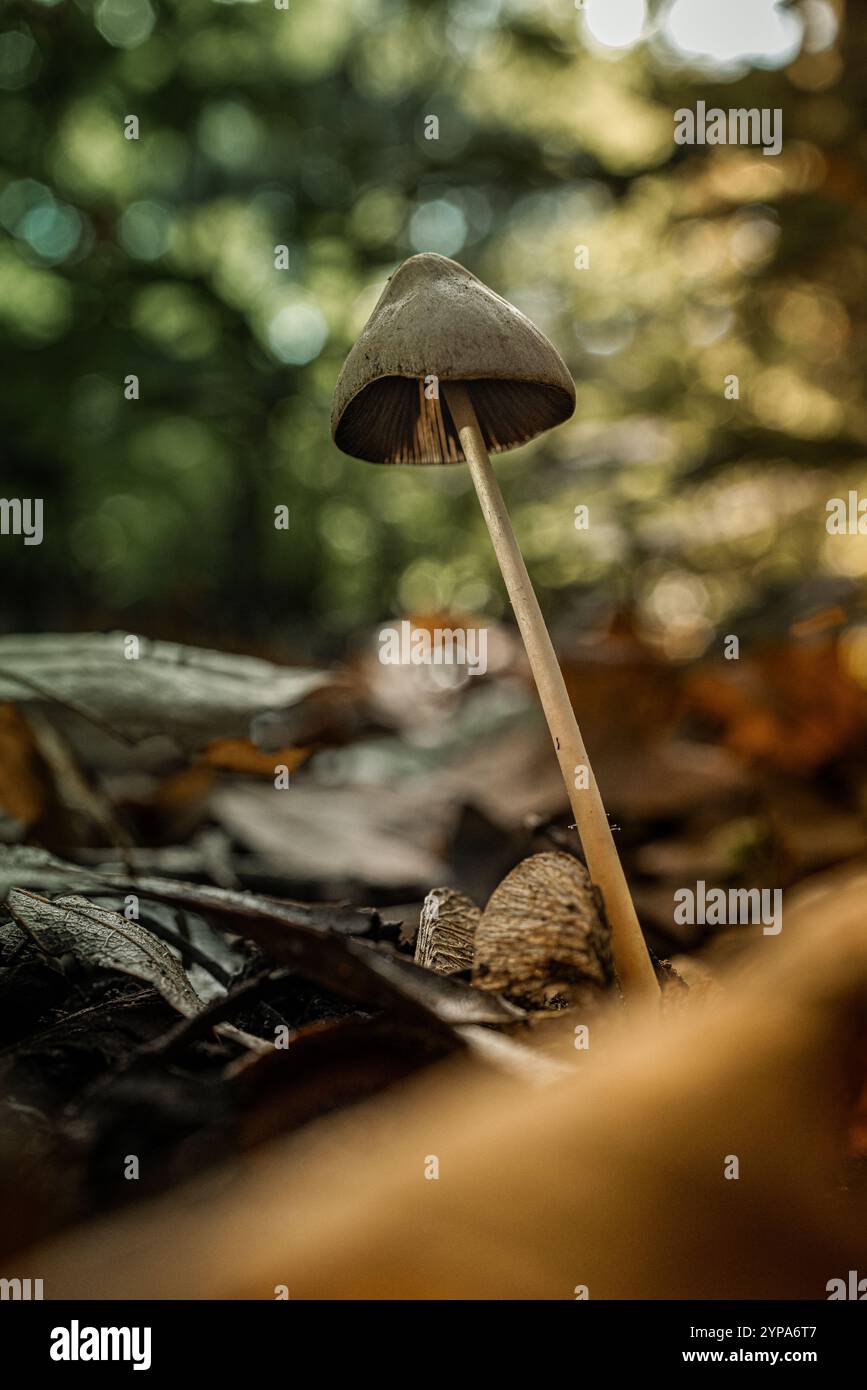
[305, 128]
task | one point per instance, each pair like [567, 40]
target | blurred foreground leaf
[190, 694]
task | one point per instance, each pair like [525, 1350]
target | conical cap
[435, 323]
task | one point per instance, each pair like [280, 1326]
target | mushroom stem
[631, 959]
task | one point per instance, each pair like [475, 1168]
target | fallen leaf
[385, 835]
[316, 939]
[611, 1178]
[240, 755]
[24, 784]
[191, 694]
[96, 936]
[792, 707]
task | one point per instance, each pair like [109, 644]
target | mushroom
[446, 931]
[541, 940]
[503, 383]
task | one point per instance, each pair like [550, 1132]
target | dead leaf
[386, 835]
[188, 693]
[318, 940]
[96, 936]
[240, 755]
[612, 1178]
[792, 707]
[24, 784]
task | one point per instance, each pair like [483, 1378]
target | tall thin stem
[632, 962]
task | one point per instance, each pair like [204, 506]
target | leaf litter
[253, 988]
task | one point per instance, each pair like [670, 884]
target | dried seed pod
[446, 931]
[543, 940]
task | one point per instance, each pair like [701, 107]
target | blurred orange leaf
[23, 781]
[792, 707]
[240, 755]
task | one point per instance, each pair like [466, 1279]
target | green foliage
[305, 128]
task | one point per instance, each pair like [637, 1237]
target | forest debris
[315, 939]
[240, 997]
[86, 804]
[24, 866]
[792, 706]
[208, 855]
[24, 782]
[655, 903]
[98, 937]
[257, 1047]
[673, 986]
[446, 931]
[324, 1066]
[482, 744]
[508, 774]
[52, 1068]
[192, 694]
[714, 853]
[811, 829]
[449, 1000]
[557, 1185]
[670, 777]
[542, 940]
[512, 1057]
[700, 980]
[385, 835]
[242, 755]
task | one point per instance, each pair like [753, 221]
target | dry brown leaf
[240, 755]
[24, 787]
[613, 1179]
[792, 707]
[99, 937]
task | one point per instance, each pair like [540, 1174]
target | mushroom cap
[446, 928]
[436, 320]
[543, 941]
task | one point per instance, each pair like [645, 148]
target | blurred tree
[307, 128]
